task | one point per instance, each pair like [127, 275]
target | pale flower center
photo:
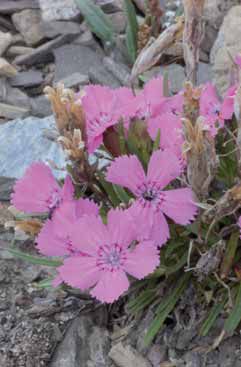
[54, 200]
[150, 194]
[111, 257]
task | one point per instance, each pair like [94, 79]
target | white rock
[23, 142]
[6, 69]
[28, 23]
[126, 356]
[58, 9]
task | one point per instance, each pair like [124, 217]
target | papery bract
[39, 192]
[104, 107]
[110, 256]
[152, 202]
[54, 238]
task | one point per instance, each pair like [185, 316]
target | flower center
[150, 194]
[111, 257]
[54, 200]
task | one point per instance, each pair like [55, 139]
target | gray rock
[5, 41]
[126, 356]
[110, 6]
[84, 344]
[119, 71]
[56, 28]
[157, 354]
[228, 43]
[6, 187]
[45, 52]
[204, 73]
[75, 80]
[40, 106]
[74, 58]
[176, 76]
[28, 23]
[13, 6]
[19, 50]
[12, 112]
[99, 75]
[214, 12]
[59, 9]
[6, 69]
[23, 142]
[13, 96]
[119, 21]
[26, 79]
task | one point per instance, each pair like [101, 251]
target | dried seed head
[31, 227]
[73, 144]
[191, 101]
[199, 150]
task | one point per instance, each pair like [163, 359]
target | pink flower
[238, 60]
[213, 110]
[170, 127]
[103, 108]
[152, 202]
[38, 191]
[54, 238]
[111, 256]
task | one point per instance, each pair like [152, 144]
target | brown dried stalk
[192, 36]
[150, 55]
[199, 149]
[191, 102]
[228, 204]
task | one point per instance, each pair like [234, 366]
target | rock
[40, 106]
[119, 71]
[176, 76]
[84, 344]
[110, 6]
[19, 50]
[12, 112]
[13, 96]
[228, 43]
[13, 6]
[45, 52]
[141, 5]
[59, 10]
[204, 73]
[55, 28]
[126, 356]
[5, 41]
[23, 142]
[70, 59]
[214, 12]
[27, 79]
[6, 69]
[99, 75]
[6, 187]
[119, 21]
[157, 354]
[28, 23]
[75, 80]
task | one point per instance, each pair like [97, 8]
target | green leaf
[97, 20]
[229, 254]
[212, 317]
[132, 30]
[46, 283]
[34, 259]
[165, 308]
[144, 299]
[122, 194]
[108, 188]
[156, 144]
[235, 316]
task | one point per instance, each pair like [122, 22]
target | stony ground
[43, 43]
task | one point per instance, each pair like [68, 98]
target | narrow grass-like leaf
[97, 20]
[229, 254]
[131, 30]
[156, 144]
[122, 194]
[235, 316]
[144, 299]
[212, 317]
[108, 188]
[46, 283]
[35, 259]
[165, 308]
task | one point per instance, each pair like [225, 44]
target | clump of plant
[151, 196]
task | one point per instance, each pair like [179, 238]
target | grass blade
[212, 317]
[229, 255]
[132, 30]
[235, 316]
[35, 259]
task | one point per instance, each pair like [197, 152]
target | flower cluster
[103, 250]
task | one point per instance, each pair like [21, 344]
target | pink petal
[67, 192]
[179, 205]
[163, 167]
[34, 189]
[88, 234]
[111, 286]
[121, 227]
[142, 260]
[159, 233]
[238, 60]
[209, 101]
[49, 243]
[227, 108]
[86, 206]
[126, 171]
[80, 272]
[57, 281]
